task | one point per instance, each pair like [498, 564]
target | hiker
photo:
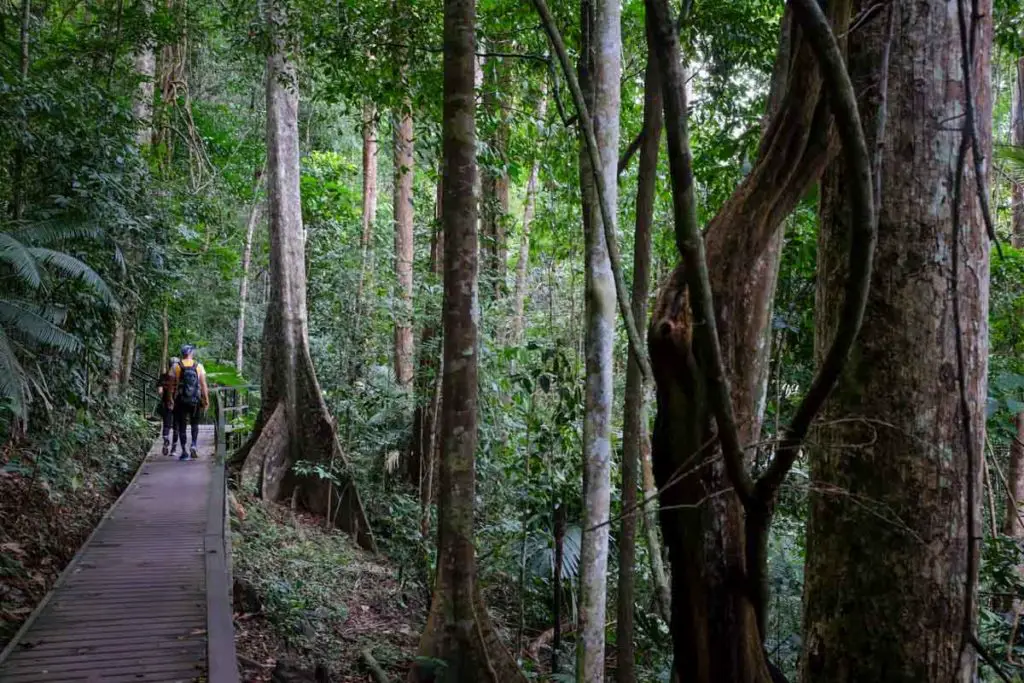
[191, 398]
[166, 388]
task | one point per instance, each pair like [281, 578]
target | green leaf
[20, 258]
[70, 266]
[24, 320]
[12, 375]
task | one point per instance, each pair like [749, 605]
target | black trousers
[183, 415]
[167, 412]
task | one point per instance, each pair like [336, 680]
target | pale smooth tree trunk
[601, 69]
[459, 630]
[18, 161]
[1017, 136]
[243, 290]
[293, 424]
[519, 294]
[145, 68]
[166, 348]
[403, 210]
[128, 355]
[116, 359]
[634, 410]
[892, 523]
[369, 208]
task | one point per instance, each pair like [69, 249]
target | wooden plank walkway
[147, 598]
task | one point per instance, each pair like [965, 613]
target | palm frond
[21, 320]
[70, 266]
[50, 232]
[12, 378]
[13, 252]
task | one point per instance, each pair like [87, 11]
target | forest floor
[307, 597]
[53, 492]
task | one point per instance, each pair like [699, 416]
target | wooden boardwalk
[147, 598]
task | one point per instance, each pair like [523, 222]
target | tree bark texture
[145, 69]
[458, 629]
[895, 476]
[403, 210]
[116, 358]
[243, 289]
[494, 178]
[718, 598]
[18, 161]
[1017, 136]
[369, 209]
[600, 69]
[634, 410]
[519, 294]
[289, 385]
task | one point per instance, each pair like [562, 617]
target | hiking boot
[167, 445]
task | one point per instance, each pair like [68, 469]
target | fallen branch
[373, 667]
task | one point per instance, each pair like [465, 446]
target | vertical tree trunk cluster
[459, 630]
[635, 414]
[600, 72]
[896, 480]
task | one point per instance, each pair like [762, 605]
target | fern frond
[49, 233]
[18, 256]
[70, 266]
[12, 378]
[20, 320]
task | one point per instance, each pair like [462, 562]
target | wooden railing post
[219, 430]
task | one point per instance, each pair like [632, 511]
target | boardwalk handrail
[221, 660]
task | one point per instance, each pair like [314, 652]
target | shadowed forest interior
[624, 340]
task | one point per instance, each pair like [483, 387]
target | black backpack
[189, 392]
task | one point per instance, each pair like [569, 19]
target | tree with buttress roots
[293, 423]
[459, 644]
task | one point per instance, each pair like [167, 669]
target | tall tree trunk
[403, 210]
[899, 537]
[116, 359]
[1017, 191]
[369, 209]
[145, 69]
[718, 589]
[243, 289]
[494, 179]
[128, 354]
[18, 163]
[601, 69]
[459, 630]
[519, 295]
[1012, 524]
[293, 423]
[635, 415]
[662, 588]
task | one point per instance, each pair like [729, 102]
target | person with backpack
[166, 386]
[191, 398]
